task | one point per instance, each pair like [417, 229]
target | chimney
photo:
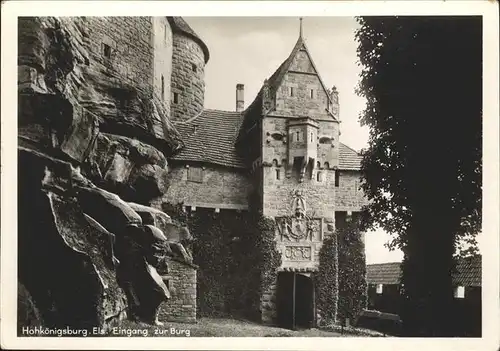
[240, 97]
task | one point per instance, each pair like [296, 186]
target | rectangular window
[459, 292]
[176, 98]
[337, 178]
[380, 288]
[278, 174]
[312, 93]
[291, 92]
[195, 174]
[194, 68]
[106, 50]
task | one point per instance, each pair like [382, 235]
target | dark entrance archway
[295, 300]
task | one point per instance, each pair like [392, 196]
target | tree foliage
[422, 81]
[352, 271]
[327, 289]
[237, 259]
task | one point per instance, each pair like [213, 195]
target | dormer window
[194, 68]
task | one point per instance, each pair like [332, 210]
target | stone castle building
[285, 147]
[127, 115]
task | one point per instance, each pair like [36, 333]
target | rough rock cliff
[91, 157]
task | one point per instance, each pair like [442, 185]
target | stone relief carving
[298, 226]
[298, 204]
[298, 253]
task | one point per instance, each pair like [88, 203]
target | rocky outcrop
[89, 142]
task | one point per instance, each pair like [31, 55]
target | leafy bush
[237, 258]
[352, 272]
[327, 281]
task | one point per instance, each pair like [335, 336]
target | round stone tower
[189, 56]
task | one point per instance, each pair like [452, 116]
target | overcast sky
[248, 50]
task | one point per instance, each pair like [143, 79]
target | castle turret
[190, 54]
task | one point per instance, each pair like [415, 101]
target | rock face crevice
[92, 151]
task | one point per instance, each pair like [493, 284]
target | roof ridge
[217, 110]
[278, 75]
[188, 120]
[350, 148]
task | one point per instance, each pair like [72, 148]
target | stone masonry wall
[218, 187]
[181, 282]
[301, 103]
[188, 71]
[348, 195]
[163, 46]
[131, 48]
[303, 78]
[274, 149]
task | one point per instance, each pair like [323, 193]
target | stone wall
[276, 138]
[207, 186]
[301, 103]
[129, 39]
[348, 195]
[162, 63]
[188, 72]
[319, 195]
[181, 282]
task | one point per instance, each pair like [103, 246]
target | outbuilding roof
[468, 272]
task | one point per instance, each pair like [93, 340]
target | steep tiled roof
[209, 137]
[179, 25]
[468, 272]
[277, 77]
[383, 273]
[349, 159]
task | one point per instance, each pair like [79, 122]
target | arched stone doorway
[295, 300]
